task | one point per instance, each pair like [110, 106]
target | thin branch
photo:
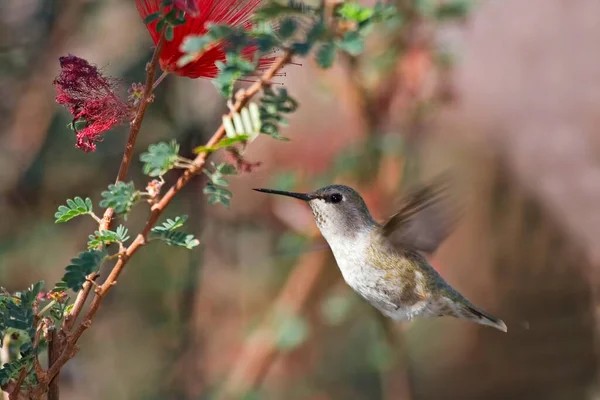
[14, 394]
[69, 349]
[39, 371]
[54, 347]
[48, 306]
[135, 127]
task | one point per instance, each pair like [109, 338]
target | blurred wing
[425, 219]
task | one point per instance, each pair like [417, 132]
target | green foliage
[77, 124]
[16, 311]
[171, 224]
[453, 10]
[287, 28]
[354, 12]
[169, 33]
[106, 237]
[152, 17]
[245, 123]
[275, 9]
[292, 330]
[10, 371]
[272, 105]
[166, 22]
[120, 196]
[316, 32]
[336, 308]
[167, 232]
[160, 158]
[326, 54]
[217, 194]
[234, 67]
[60, 309]
[74, 208]
[352, 43]
[81, 266]
[223, 143]
[214, 189]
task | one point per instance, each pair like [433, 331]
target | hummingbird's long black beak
[301, 196]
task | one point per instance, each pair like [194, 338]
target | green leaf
[171, 224]
[120, 196]
[152, 17]
[292, 331]
[234, 67]
[81, 266]
[287, 27]
[354, 12]
[352, 43]
[79, 124]
[217, 194]
[16, 311]
[226, 142]
[274, 9]
[177, 238]
[387, 13]
[221, 31]
[266, 42]
[169, 33]
[226, 169]
[74, 208]
[11, 370]
[326, 54]
[160, 158]
[167, 233]
[455, 9]
[316, 32]
[106, 237]
[336, 308]
[161, 24]
[195, 44]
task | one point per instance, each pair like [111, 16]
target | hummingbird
[386, 264]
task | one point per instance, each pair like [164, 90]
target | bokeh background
[506, 94]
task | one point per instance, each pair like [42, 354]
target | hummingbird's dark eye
[335, 198]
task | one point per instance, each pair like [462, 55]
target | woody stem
[135, 126]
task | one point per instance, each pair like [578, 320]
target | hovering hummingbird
[385, 264]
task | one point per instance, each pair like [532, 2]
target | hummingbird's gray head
[339, 210]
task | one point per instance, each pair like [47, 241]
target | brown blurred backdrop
[259, 310]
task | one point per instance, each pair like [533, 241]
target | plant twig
[39, 371]
[70, 348]
[53, 352]
[14, 394]
[135, 127]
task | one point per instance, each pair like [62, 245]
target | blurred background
[504, 93]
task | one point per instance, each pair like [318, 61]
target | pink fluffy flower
[90, 97]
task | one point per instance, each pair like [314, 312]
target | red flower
[229, 12]
[90, 97]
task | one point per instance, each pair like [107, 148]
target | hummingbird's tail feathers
[483, 318]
